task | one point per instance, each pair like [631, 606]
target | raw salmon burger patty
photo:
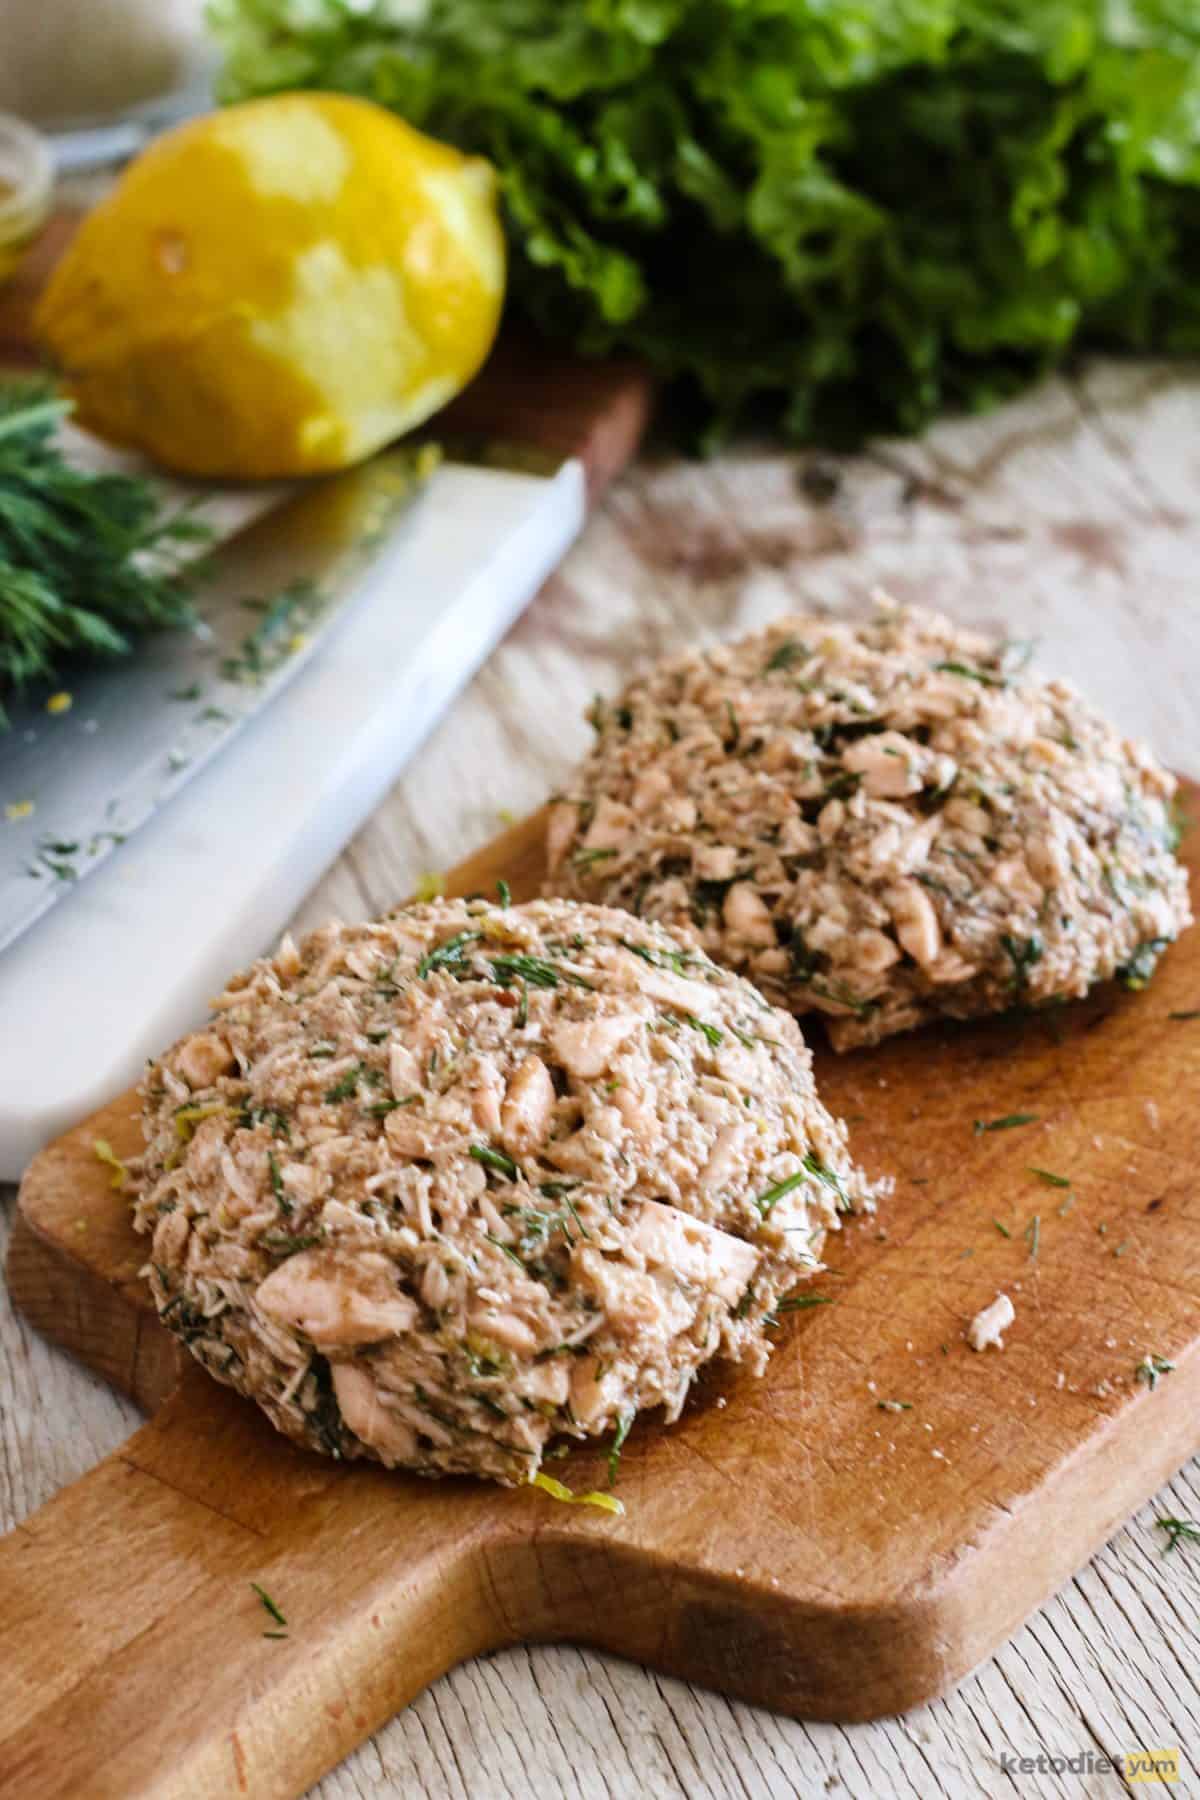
[881, 822]
[437, 1189]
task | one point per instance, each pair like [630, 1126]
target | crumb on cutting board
[989, 1326]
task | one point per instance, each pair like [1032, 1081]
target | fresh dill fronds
[1049, 1177]
[494, 1159]
[831, 1178]
[88, 562]
[345, 1086]
[710, 1033]
[447, 955]
[767, 1201]
[676, 960]
[504, 1249]
[277, 1182]
[379, 1109]
[532, 971]
[785, 654]
[1023, 953]
[970, 674]
[282, 1243]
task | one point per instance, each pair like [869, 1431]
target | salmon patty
[881, 822]
[439, 1189]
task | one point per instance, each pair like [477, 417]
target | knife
[76, 783]
[126, 959]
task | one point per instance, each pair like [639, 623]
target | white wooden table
[1073, 517]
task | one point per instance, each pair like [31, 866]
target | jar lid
[26, 179]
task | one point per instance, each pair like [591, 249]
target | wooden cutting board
[845, 1538]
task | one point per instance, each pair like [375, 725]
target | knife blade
[74, 784]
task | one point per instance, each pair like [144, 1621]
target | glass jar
[26, 185]
[65, 64]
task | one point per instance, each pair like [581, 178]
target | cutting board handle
[129, 1597]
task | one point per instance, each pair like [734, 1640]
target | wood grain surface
[839, 1540]
[1072, 516]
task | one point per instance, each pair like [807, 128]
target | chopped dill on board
[1007, 1123]
[269, 1606]
[618, 1444]
[1151, 1368]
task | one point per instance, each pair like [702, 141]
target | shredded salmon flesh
[440, 1189]
[880, 822]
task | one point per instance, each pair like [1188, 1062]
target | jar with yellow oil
[26, 184]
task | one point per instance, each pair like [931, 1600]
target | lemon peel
[279, 289]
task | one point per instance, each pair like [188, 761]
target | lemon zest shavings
[103, 1151]
[186, 1121]
[188, 1117]
[558, 1490]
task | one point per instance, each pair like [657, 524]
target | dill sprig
[1151, 1368]
[269, 1606]
[1179, 1531]
[624, 1421]
[494, 1159]
[77, 581]
[1007, 1123]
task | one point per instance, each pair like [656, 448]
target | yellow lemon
[279, 288]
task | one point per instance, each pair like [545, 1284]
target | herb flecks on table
[272, 1609]
[1179, 1531]
[281, 631]
[1007, 1123]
